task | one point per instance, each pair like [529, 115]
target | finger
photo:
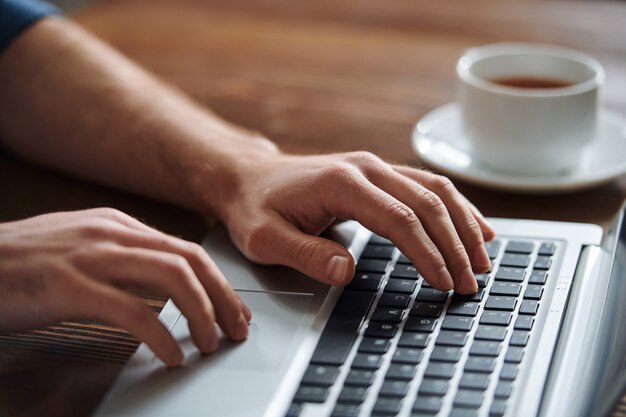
[464, 219]
[485, 227]
[279, 242]
[163, 272]
[120, 309]
[231, 313]
[349, 195]
[437, 222]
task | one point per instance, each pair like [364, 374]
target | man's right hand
[72, 265]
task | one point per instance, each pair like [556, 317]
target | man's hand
[279, 203]
[72, 265]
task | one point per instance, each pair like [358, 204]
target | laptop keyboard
[395, 346]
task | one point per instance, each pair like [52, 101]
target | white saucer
[439, 141]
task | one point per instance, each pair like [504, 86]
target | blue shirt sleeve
[17, 15]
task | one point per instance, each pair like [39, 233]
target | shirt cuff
[17, 15]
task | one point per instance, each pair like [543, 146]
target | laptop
[545, 335]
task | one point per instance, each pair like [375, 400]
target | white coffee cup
[528, 131]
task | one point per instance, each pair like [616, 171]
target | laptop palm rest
[238, 380]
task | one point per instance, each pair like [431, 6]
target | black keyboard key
[364, 281]
[387, 406]
[507, 273]
[320, 375]
[404, 271]
[388, 315]
[508, 372]
[499, 302]
[529, 307]
[547, 249]
[519, 338]
[346, 410]
[394, 300]
[457, 323]
[485, 332]
[420, 324]
[505, 288]
[437, 387]
[402, 259]
[477, 296]
[520, 247]
[403, 286]
[485, 348]
[450, 338]
[481, 364]
[372, 265]
[414, 340]
[533, 292]
[463, 412]
[543, 262]
[538, 277]
[493, 247]
[367, 361]
[439, 370]
[524, 322]
[377, 252]
[473, 380]
[431, 296]
[308, 394]
[426, 310]
[498, 408]
[515, 260]
[482, 279]
[462, 308]
[374, 345]
[468, 398]
[379, 240]
[514, 354]
[391, 388]
[360, 377]
[352, 395]
[380, 329]
[294, 410]
[495, 318]
[445, 354]
[342, 327]
[503, 389]
[427, 404]
[411, 356]
[403, 372]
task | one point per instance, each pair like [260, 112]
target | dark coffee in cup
[530, 82]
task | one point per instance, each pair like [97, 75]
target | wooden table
[315, 76]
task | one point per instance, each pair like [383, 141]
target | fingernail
[445, 279]
[481, 258]
[337, 269]
[241, 328]
[467, 282]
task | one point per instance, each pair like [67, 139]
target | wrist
[218, 173]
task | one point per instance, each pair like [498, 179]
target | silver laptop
[545, 335]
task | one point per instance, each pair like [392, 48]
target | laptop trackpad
[240, 379]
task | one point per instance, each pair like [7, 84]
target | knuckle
[402, 214]
[338, 170]
[364, 158]
[443, 184]
[96, 228]
[432, 203]
[109, 213]
[176, 265]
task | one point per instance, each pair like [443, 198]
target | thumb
[321, 259]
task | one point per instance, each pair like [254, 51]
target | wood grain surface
[315, 76]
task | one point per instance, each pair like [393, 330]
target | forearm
[72, 103]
